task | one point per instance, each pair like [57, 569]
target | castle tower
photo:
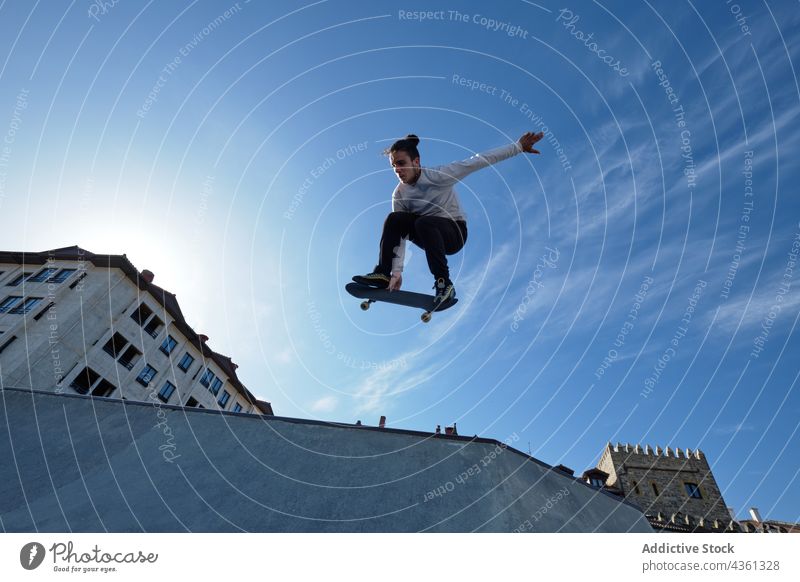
[675, 483]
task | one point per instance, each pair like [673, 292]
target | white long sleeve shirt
[433, 193]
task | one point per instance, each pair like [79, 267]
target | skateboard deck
[407, 298]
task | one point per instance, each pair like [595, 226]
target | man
[426, 210]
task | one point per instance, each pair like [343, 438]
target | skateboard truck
[425, 317]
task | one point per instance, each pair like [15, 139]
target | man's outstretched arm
[452, 173]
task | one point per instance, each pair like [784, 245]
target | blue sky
[235, 150]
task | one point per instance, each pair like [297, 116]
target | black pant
[436, 235]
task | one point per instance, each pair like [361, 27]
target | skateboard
[407, 298]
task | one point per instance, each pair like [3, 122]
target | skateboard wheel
[426, 317]
[364, 305]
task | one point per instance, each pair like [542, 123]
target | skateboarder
[426, 210]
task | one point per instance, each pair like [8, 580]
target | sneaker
[374, 279]
[445, 291]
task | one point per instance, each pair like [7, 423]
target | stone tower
[669, 485]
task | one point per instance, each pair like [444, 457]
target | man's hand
[528, 139]
[396, 281]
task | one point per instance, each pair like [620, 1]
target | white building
[73, 321]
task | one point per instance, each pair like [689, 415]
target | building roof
[594, 472]
[168, 300]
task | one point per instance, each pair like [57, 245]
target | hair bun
[412, 139]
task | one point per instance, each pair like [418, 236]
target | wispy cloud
[376, 390]
[749, 312]
[325, 404]
[733, 429]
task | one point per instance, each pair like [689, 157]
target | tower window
[655, 489]
[693, 490]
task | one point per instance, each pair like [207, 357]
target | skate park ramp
[71, 463]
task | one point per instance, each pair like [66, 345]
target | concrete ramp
[81, 464]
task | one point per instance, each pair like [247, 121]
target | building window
[29, 304]
[223, 399]
[146, 375]
[141, 314]
[655, 489]
[42, 275]
[237, 407]
[19, 279]
[205, 380]
[692, 490]
[186, 362]
[9, 302]
[84, 380]
[61, 276]
[103, 389]
[166, 391]
[168, 345]
[596, 482]
[215, 386]
[115, 345]
[153, 326]
[128, 359]
[636, 488]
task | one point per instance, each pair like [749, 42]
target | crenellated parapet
[647, 451]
